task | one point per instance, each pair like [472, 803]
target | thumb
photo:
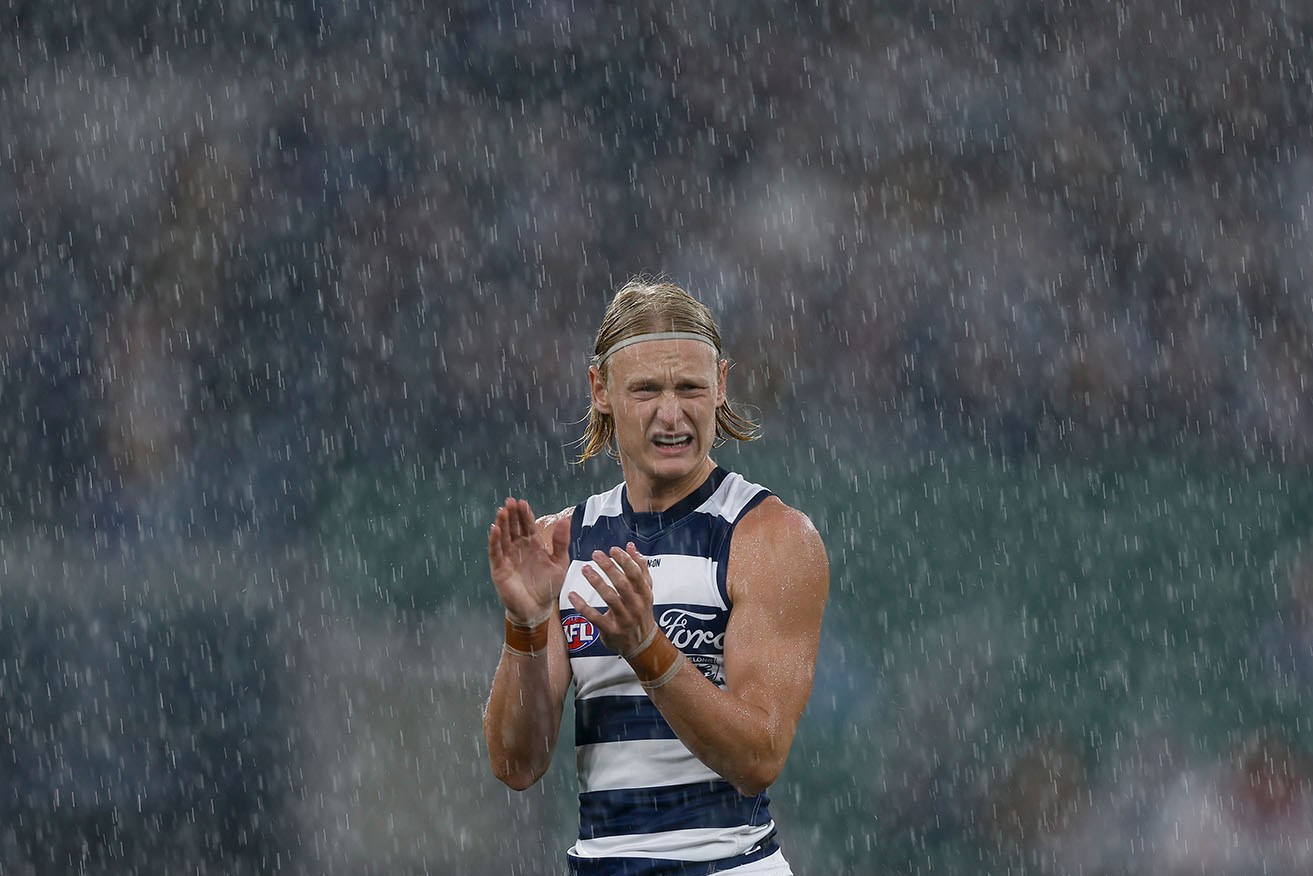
[561, 537]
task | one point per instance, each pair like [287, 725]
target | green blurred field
[978, 604]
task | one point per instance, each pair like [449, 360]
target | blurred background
[293, 294]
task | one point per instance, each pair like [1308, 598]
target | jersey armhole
[722, 550]
[576, 529]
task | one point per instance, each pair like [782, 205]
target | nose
[668, 411]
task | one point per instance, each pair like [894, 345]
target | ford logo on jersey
[579, 632]
[691, 631]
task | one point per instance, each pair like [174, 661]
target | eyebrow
[678, 380]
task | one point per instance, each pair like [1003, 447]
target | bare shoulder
[777, 525]
[549, 523]
[776, 542]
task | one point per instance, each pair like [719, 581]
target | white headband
[655, 336]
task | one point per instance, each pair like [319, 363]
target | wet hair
[639, 307]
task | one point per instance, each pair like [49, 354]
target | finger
[630, 560]
[514, 525]
[625, 598]
[604, 588]
[642, 571]
[628, 571]
[528, 525]
[497, 532]
[613, 571]
[560, 539]
[615, 602]
[633, 566]
[499, 549]
[502, 518]
[590, 614]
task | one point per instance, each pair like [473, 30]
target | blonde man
[685, 605]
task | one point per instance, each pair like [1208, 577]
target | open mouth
[674, 442]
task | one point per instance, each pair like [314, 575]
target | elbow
[750, 789]
[761, 768]
[518, 781]
[515, 779]
[512, 768]
[516, 773]
[758, 777]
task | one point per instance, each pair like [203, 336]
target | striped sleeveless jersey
[646, 804]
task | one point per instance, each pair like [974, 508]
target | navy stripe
[687, 627]
[689, 632]
[692, 536]
[577, 528]
[657, 524]
[720, 547]
[665, 867]
[676, 807]
[618, 719]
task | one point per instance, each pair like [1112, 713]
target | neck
[651, 494]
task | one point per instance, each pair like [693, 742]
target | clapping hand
[528, 562]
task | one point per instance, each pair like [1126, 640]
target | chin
[674, 472]
[678, 467]
[665, 468]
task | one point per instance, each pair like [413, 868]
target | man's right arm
[522, 718]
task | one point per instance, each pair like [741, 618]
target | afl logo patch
[579, 632]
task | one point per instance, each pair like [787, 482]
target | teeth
[671, 442]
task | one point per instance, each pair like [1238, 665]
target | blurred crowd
[244, 244]
[954, 766]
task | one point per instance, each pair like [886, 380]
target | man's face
[663, 397]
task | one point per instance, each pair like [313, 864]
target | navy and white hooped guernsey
[646, 804]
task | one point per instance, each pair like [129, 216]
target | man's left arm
[778, 579]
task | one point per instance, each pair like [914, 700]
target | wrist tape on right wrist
[527, 640]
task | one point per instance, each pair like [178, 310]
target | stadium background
[291, 295]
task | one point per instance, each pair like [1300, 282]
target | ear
[722, 378]
[597, 389]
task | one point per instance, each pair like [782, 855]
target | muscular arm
[778, 581]
[522, 718]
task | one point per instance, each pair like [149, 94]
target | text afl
[579, 632]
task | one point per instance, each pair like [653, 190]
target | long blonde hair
[643, 306]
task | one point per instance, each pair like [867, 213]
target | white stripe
[605, 676]
[676, 578]
[775, 865]
[638, 763]
[733, 493]
[727, 501]
[701, 844]
[606, 504]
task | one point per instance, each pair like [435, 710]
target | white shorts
[775, 865]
